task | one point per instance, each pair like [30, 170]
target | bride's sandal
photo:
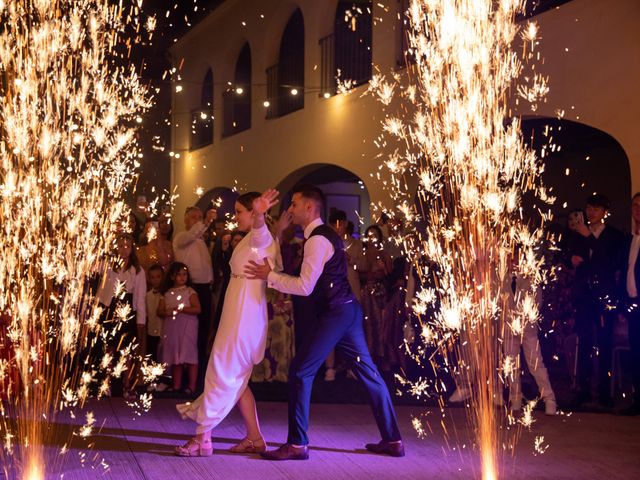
[195, 448]
[250, 446]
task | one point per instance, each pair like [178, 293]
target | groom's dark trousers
[337, 326]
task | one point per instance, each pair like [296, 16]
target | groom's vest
[333, 286]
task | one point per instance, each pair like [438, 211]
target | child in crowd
[154, 322]
[179, 306]
[125, 271]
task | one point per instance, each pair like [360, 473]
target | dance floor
[127, 446]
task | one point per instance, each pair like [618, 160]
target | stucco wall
[591, 51]
[595, 82]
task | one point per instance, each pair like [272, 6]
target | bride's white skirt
[239, 345]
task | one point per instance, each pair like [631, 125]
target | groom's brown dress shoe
[287, 452]
[395, 449]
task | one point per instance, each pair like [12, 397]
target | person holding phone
[596, 259]
[191, 249]
[156, 248]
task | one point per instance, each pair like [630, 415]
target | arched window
[346, 54]
[202, 117]
[206, 96]
[237, 100]
[285, 80]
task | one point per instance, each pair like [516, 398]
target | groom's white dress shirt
[317, 251]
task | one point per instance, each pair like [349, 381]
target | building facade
[255, 102]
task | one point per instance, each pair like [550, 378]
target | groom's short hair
[311, 192]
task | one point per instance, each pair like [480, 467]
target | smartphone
[576, 217]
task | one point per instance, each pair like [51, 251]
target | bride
[241, 338]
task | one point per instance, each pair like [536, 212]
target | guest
[383, 226]
[216, 231]
[374, 292]
[10, 380]
[302, 314]
[350, 230]
[191, 249]
[280, 340]
[141, 213]
[353, 248]
[290, 245]
[356, 263]
[157, 248]
[631, 279]
[529, 342]
[395, 316]
[133, 226]
[179, 307]
[596, 259]
[236, 238]
[218, 263]
[559, 296]
[125, 271]
[154, 322]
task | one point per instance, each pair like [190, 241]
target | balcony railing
[327, 65]
[345, 59]
[201, 127]
[285, 91]
[236, 109]
[272, 91]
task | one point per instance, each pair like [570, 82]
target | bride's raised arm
[260, 235]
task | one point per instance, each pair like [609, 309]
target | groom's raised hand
[257, 271]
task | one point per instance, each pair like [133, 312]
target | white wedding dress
[241, 339]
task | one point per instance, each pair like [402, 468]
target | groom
[338, 324]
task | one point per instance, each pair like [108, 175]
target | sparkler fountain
[455, 144]
[67, 156]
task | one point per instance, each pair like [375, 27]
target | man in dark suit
[323, 275]
[595, 296]
[630, 278]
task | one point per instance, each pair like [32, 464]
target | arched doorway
[343, 190]
[223, 199]
[588, 160]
